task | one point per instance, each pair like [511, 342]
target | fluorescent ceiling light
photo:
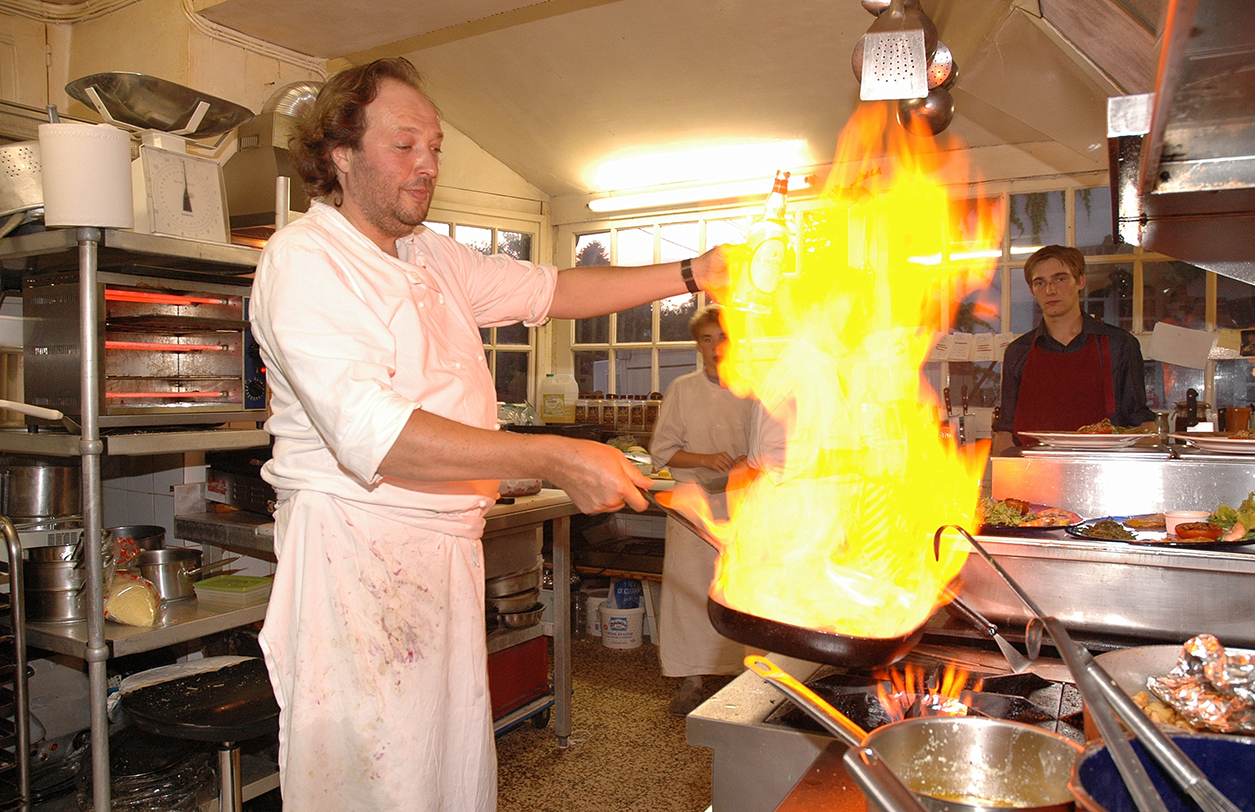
[714, 163]
[661, 198]
[1021, 250]
[992, 253]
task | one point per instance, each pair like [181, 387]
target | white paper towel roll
[87, 175]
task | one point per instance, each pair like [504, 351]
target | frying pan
[811, 645]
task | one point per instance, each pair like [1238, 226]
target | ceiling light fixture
[663, 198]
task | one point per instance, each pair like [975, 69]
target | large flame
[836, 534]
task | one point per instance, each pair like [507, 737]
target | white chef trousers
[375, 642]
[688, 644]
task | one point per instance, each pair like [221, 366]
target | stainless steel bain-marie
[171, 351]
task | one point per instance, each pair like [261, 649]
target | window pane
[474, 237]
[1175, 293]
[636, 247]
[514, 334]
[633, 375]
[636, 324]
[1093, 223]
[672, 363]
[1036, 219]
[1235, 304]
[1235, 382]
[592, 249]
[972, 221]
[719, 232]
[1024, 310]
[1108, 294]
[515, 243]
[485, 335]
[978, 312]
[674, 315]
[679, 241]
[592, 370]
[439, 228]
[511, 377]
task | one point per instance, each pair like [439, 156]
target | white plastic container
[558, 394]
[593, 618]
[622, 628]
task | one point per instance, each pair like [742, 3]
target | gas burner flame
[831, 528]
[911, 692]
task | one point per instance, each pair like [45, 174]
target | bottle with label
[771, 252]
[558, 394]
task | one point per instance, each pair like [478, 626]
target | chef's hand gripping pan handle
[1102, 695]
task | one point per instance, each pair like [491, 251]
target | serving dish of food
[1015, 517]
[1224, 527]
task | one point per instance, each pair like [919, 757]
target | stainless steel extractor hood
[1182, 159]
[261, 156]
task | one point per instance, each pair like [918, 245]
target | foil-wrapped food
[1211, 687]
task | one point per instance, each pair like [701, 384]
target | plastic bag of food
[132, 600]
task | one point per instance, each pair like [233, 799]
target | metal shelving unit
[87, 250]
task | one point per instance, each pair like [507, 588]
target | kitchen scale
[177, 193]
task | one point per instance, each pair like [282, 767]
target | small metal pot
[511, 604]
[34, 488]
[139, 536]
[53, 575]
[174, 571]
[56, 605]
[965, 763]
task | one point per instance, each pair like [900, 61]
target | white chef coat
[701, 417]
[374, 635]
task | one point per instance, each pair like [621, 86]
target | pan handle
[832, 719]
[687, 523]
[212, 566]
[878, 782]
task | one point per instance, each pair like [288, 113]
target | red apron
[1064, 391]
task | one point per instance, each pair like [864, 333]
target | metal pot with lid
[39, 488]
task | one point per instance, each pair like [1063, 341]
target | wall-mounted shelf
[136, 443]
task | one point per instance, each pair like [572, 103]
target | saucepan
[945, 763]
[174, 570]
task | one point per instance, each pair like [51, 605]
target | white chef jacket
[701, 417]
[374, 635]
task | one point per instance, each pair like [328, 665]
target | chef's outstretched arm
[595, 290]
[597, 477]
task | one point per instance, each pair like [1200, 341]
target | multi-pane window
[641, 350]
[508, 350]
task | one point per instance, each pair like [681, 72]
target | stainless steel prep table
[506, 523]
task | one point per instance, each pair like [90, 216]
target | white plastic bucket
[592, 623]
[622, 628]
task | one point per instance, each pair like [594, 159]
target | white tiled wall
[153, 489]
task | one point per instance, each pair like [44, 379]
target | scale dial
[185, 195]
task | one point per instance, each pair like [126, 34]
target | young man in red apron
[1072, 369]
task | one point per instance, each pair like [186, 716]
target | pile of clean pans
[514, 599]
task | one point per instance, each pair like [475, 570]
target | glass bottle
[770, 246]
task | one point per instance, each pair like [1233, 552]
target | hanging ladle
[1102, 695]
[864, 764]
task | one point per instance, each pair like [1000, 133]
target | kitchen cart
[84, 250]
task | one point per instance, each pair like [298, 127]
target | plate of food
[1015, 517]
[1224, 443]
[1082, 441]
[1149, 528]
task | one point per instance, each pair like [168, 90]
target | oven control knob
[255, 388]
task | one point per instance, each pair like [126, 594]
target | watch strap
[686, 271]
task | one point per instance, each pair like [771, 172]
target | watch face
[185, 196]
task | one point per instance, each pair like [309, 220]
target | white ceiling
[553, 89]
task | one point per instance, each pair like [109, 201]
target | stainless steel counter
[1122, 483]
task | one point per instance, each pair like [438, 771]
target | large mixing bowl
[969, 764]
[1227, 761]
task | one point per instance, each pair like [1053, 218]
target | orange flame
[836, 534]
[909, 687]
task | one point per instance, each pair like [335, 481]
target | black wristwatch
[686, 271]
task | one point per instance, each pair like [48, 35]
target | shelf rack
[87, 250]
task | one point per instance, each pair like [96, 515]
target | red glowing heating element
[121, 395]
[158, 298]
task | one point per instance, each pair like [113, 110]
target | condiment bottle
[770, 252]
